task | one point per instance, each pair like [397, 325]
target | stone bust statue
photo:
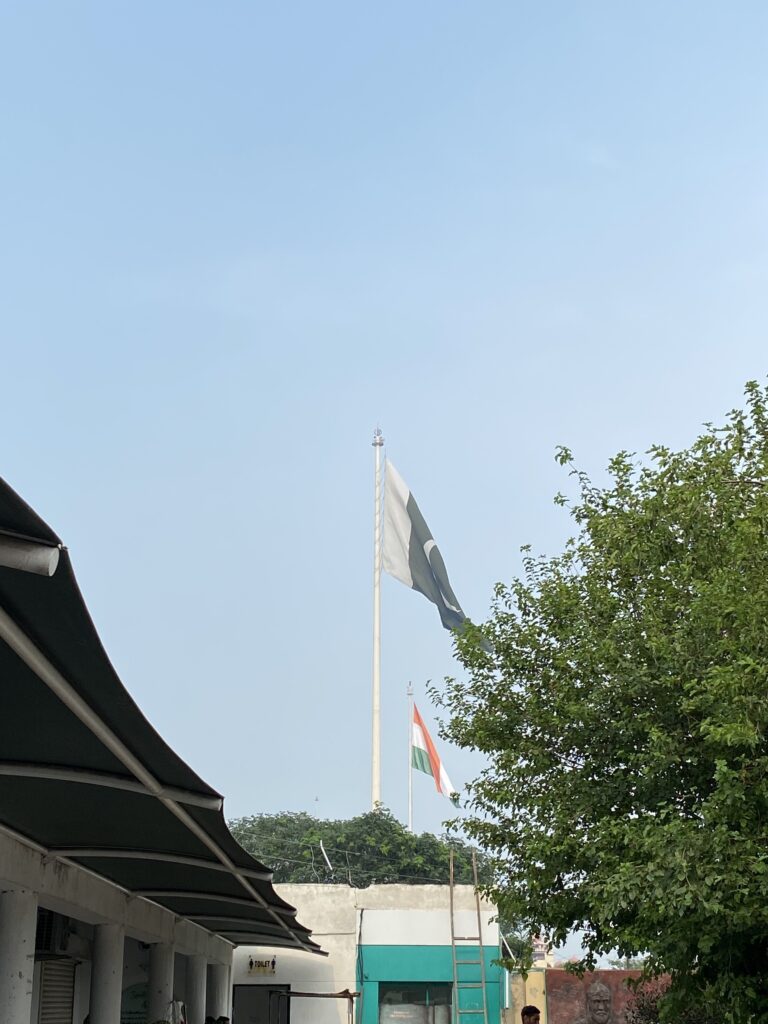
[598, 1005]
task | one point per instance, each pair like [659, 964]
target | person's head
[599, 1003]
[530, 1014]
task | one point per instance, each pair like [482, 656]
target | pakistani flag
[409, 552]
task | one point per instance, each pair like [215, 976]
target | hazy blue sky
[237, 236]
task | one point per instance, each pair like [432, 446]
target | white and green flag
[410, 553]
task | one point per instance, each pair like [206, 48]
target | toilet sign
[262, 966]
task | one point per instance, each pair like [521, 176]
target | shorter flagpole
[410, 756]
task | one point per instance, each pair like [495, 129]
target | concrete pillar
[106, 974]
[197, 971]
[160, 988]
[18, 926]
[217, 993]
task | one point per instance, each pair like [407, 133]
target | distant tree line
[373, 848]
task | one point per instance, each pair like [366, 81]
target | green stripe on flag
[420, 760]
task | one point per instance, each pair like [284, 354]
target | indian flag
[425, 758]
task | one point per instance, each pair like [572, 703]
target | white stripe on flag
[447, 788]
[397, 527]
[418, 737]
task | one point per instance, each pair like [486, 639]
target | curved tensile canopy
[86, 778]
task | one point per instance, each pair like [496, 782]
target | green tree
[619, 691]
[646, 1007]
[371, 848]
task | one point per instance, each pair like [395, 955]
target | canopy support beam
[181, 894]
[110, 852]
[59, 773]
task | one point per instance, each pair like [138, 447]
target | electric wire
[270, 854]
[330, 849]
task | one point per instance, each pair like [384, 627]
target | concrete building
[122, 892]
[391, 944]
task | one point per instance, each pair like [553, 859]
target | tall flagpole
[410, 757]
[378, 442]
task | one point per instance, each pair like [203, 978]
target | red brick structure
[567, 995]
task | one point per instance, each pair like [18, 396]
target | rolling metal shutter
[57, 992]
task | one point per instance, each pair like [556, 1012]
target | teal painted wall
[424, 963]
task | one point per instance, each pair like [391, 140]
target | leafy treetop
[619, 691]
[371, 848]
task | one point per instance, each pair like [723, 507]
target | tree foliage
[646, 1008]
[371, 848]
[619, 691]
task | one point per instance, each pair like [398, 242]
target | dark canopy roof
[85, 775]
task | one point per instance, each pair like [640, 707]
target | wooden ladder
[468, 985]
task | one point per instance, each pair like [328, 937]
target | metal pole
[410, 757]
[456, 1011]
[378, 442]
[481, 952]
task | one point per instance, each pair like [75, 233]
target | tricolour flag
[409, 552]
[425, 758]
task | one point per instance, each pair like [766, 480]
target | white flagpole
[410, 757]
[378, 442]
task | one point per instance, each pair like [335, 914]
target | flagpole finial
[378, 438]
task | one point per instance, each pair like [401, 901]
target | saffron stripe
[434, 760]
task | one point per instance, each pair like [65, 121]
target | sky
[237, 237]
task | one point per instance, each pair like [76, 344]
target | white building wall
[333, 919]
[303, 972]
[424, 927]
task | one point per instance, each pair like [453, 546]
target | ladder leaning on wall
[468, 972]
